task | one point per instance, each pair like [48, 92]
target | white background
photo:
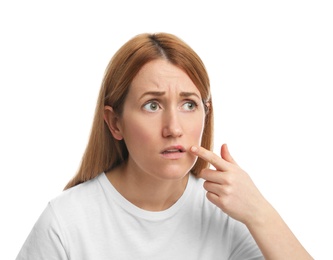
[270, 64]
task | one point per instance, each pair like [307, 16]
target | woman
[144, 189]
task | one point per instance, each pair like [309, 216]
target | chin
[174, 172]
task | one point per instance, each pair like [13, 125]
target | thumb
[226, 155]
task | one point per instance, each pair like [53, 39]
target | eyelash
[193, 103]
[156, 102]
[150, 102]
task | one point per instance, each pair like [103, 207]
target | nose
[172, 125]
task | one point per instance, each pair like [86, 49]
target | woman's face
[163, 117]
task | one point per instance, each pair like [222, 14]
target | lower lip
[173, 156]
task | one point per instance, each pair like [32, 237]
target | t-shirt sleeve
[45, 240]
[244, 246]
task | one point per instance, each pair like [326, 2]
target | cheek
[195, 127]
[137, 132]
[197, 124]
[198, 132]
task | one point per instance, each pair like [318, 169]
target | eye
[189, 106]
[151, 106]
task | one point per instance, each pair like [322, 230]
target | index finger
[210, 157]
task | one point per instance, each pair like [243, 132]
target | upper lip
[180, 148]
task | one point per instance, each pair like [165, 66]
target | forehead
[163, 76]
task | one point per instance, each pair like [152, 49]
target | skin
[164, 111]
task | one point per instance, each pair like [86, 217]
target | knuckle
[228, 178]
[225, 203]
[227, 191]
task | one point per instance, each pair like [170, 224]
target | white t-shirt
[94, 221]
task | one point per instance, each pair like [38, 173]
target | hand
[229, 187]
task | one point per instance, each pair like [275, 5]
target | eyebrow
[188, 94]
[161, 93]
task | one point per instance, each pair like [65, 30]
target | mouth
[173, 150]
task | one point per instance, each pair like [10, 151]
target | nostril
[170, 131]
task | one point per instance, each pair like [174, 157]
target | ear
[112, 120]
[207, 107]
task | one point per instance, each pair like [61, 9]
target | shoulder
[85, 189]
[78, 199]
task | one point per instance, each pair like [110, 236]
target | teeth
[172, 151]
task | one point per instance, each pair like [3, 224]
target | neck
[145, 191]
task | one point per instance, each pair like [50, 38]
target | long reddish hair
[104, 152]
